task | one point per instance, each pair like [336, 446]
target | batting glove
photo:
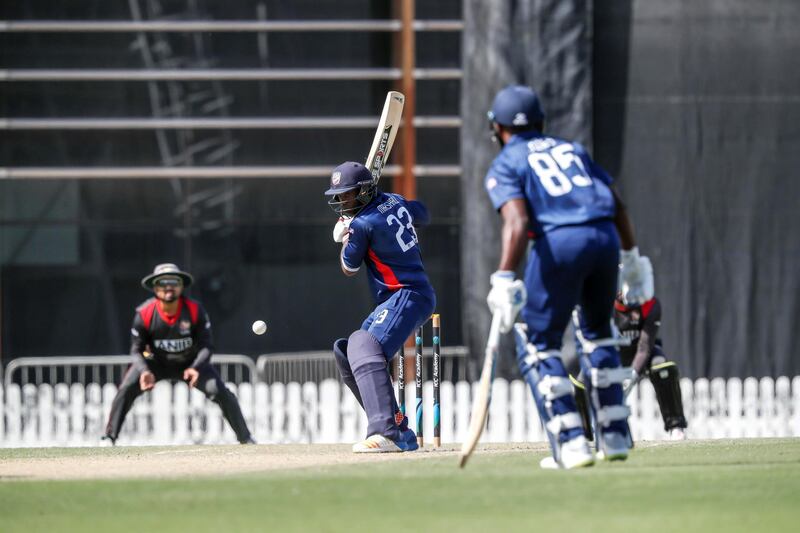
[635, 277]
[341, 229]
[629, 265]
[507, 297]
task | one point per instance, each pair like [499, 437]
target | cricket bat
[385, 134]
[483, 397]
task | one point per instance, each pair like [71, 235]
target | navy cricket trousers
[567, 266]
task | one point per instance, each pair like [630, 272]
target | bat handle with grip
[494, 332]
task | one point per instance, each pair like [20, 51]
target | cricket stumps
[419, 367]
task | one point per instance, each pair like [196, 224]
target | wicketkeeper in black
[171, 339]
[645, 355]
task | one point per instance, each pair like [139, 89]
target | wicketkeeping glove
[635, 277]
[507, 296]
[341, 228]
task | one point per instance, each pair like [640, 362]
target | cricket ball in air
[259, 327]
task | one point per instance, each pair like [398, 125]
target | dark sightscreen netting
[697, 109]
[699, 126]
[545, 44]
[258, 249]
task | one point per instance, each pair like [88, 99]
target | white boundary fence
[75, 415]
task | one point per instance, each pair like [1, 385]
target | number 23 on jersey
[406, 235]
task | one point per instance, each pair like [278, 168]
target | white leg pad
[564, 422]
[612, 413]
[605, 377]
[535, 355]
[589, 346]
[552, 387]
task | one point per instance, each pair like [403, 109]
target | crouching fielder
[550, 189]
[171, 339]
[377, 229]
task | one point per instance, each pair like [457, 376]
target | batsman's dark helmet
[347, 177]
[516, 106]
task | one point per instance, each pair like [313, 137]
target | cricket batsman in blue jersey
[550, 190]
[377, 229]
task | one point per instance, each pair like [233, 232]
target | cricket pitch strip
[212, 461]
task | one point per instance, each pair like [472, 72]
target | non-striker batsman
[550, 190]
[377, 229]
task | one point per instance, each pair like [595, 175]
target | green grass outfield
[708, 486]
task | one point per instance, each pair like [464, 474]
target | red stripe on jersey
[194, 309]
[146, 312]
[647, 307]
[385, 271]
[619, 306]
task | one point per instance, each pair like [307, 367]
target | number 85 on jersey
[559, 169]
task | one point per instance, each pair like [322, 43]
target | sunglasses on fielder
[169, 283]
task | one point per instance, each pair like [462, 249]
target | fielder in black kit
[645, 355]
[171, 339]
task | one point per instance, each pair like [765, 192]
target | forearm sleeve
[203, 357]
[647, 339]
[643, 351]
[205, 348]
[138, 342]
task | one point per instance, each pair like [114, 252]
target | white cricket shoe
[677, 434]
[549, 463]
[614, 446]
[574, 454]
[376, 444]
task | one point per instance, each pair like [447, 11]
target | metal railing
[232, 74]
[136, 123]
[316, 366]
[286, 367]
[159, 124]
[117, 26]
[298, 171]
[108, 369]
